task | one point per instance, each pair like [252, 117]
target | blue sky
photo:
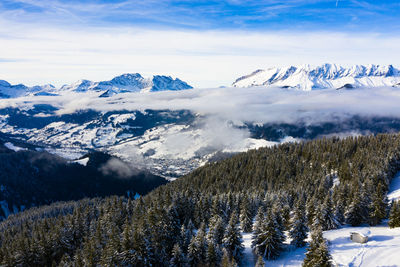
[207, 43]
[343, 15]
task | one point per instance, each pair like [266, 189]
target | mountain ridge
[128, 82]
[307, 77]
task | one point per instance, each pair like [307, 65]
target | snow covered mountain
[308, 78]
[10, 91]
[129, 83]
[120, 84]
[7, 90]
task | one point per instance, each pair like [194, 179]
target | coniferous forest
[198, 219]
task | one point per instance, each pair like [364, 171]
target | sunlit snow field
[382, 248]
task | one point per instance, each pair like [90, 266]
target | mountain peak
[307, 77]
[128, 82]
[4, 83]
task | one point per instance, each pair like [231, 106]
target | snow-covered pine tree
[286, 217]
[317, 252]
[279, 221]
[197, 250]
[365, 197]
[246, 216]
[310, 211]
[394, 217]
[298, 231]
[216, 230]
[111, 250]
[128, 256]
[378, 206]
[227, 260]
[329, 221]
[178, 258]
[214, 253]
[192, 254]
[267, 239]
[258, 220]
[354, 214]
[339, 211]
[232, 241]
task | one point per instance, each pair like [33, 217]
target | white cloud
[259, 104]
[37, 54]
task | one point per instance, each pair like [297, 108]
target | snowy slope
[128, 83]
[394, 190]
[169, 143]
[7, 90]
[10, 91]
[382, 248]
[120, 84]
[308, 78]
[292, 257]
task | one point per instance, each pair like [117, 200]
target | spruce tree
[214, 253]
[197, 250]
[378, 206]
[185, 237]
[339, 211]
[317, 252]
[394, 216]
[310, 211]
[232, 241]
[178, 258]
[216, 230]
[267, 240]
[246, 216]
[354, 214]
[227, 260]
[328, 218]
[298, 231]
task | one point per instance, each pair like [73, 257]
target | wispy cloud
[249, 15]
[202, 58]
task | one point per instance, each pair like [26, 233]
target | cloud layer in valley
[257, 104]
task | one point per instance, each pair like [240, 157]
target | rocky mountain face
[307, 77]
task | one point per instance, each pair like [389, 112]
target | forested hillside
[31, 178]
[197, 220]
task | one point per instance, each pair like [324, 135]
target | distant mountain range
[303, 77]
[307, 77]
[120, 84]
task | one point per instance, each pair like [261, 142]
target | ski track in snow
[382, 249]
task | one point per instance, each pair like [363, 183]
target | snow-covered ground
[13, 147]
[382, 248]
[248, 256]
[394, 190]
[291, 257]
